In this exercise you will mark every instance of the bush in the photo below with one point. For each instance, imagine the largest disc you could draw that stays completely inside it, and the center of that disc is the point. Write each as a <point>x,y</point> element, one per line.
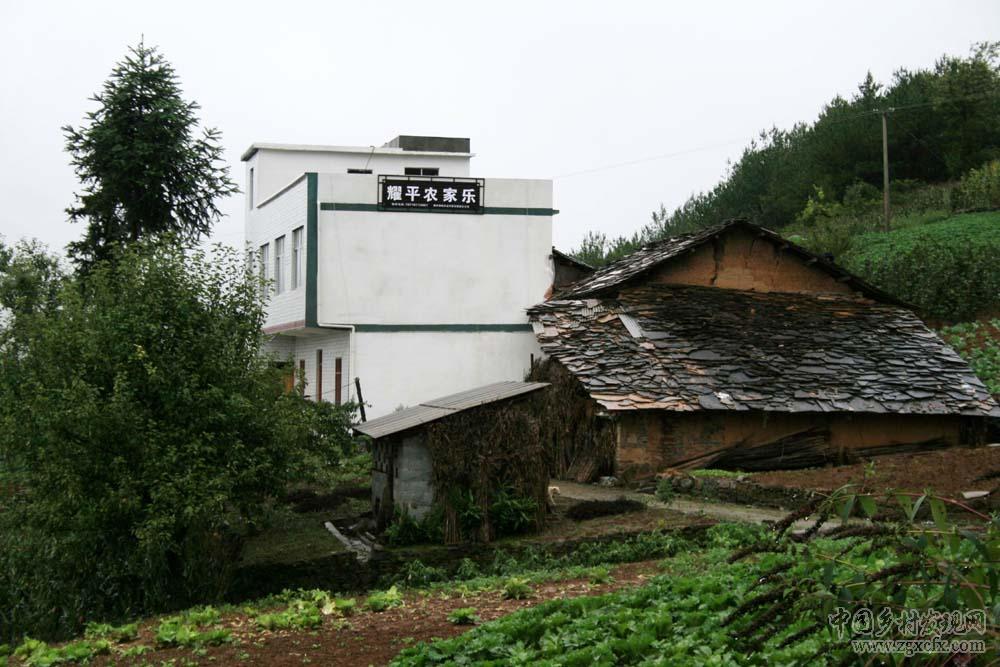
<point>415,573</point>
<point>406,530</point>
<point>463,616</point>
<point>382,600</point>
<point>947,269</point>
<point>142,429</point>
<point>979,189</point>
<point>665,490</point>
<point>510,514</point>
<point>517,588</point>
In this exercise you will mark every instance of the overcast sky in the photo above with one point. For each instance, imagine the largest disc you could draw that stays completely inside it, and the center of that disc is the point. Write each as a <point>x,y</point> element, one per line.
<point>544,90</point>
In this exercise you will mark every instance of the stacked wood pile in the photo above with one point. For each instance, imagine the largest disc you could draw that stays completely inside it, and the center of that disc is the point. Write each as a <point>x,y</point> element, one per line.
<point>579,442</point>
<point>806,449</point>
<point>485,451</point>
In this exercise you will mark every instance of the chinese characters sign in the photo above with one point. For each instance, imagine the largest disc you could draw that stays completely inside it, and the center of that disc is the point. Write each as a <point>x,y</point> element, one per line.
<point>437,195</point>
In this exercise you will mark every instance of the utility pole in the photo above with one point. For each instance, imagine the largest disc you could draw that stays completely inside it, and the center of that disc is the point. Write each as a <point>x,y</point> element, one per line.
<point>885,167</point>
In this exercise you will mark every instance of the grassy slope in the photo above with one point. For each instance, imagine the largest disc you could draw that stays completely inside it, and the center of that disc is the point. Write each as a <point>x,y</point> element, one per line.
<point>948,268</point>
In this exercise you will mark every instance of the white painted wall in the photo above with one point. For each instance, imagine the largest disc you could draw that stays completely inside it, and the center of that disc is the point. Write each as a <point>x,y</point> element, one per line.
<point>406,368</point>
<point>389,267</point>
<point>398,268</point>
<point>334,343</point>
<point>279,217</point>
<point>275,168</point>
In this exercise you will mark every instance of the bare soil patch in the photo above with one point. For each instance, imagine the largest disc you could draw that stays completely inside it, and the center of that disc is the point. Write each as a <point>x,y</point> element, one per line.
<point>949,472</point>
<point>369,638</point>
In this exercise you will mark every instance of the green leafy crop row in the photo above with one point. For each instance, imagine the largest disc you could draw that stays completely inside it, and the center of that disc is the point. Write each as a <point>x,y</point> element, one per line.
<point>947,269</point>
<point>769,602</point>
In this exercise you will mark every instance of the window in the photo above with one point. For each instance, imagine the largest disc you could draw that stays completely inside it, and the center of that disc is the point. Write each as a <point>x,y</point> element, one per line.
<point>279,257</point>
<point>250,189</point>
<point>297,273</point>
<point>319,375</point>
<point>359,171</point>
<point>262,263</point>
<point>420,171</point>
<point>337,375</point>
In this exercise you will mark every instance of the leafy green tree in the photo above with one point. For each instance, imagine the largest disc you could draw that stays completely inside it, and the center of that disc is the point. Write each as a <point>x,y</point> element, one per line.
<point>142,432</point>
<point>144,167</point>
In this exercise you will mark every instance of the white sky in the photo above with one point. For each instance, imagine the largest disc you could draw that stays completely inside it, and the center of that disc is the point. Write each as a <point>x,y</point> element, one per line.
<point>542,88</point>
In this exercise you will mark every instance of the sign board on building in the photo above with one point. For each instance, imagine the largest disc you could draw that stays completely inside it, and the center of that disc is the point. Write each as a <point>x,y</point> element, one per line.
<point>430,194</point>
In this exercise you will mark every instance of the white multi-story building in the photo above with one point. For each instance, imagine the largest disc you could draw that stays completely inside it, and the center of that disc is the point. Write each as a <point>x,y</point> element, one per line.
<point>395,266</point>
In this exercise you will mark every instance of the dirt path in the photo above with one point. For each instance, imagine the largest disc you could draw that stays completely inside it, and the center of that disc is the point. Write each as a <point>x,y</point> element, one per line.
<point>691,506</point>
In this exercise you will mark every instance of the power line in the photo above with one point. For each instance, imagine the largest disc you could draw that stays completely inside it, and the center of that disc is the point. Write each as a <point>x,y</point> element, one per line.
<point>843,119</point>
<point>650,158</point>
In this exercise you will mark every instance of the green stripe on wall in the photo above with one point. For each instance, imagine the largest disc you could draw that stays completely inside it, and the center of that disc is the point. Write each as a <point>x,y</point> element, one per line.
<point>389,328</point>
<point>312,246</point>
<point>489,210</point>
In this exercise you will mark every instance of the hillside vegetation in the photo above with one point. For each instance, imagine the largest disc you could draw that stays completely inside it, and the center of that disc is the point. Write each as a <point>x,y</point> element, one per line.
<point>948,269</point>
<point>944,123</point>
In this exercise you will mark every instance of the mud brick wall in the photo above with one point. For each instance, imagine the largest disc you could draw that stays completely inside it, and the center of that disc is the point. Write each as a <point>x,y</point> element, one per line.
<point>740,260</point>
<point>652,440</point>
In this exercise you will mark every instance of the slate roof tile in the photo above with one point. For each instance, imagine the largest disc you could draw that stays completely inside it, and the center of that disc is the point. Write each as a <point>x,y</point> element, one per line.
<point>798,352</point>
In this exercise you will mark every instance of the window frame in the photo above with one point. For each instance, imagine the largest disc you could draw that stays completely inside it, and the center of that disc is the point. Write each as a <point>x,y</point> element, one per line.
<point>279,261</point>
<point>297,257</point>
<point>263,261</point>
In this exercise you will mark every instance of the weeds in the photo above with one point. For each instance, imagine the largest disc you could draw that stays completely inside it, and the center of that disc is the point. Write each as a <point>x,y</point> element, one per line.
<point>382,600</point>
<point>36,653</point>
<point>517,588</point>
<point>463,616</point>
<point>186,629</point>
<point>118,634</point>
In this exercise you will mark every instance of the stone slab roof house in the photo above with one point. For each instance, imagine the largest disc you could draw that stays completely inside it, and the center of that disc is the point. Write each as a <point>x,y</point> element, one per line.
<point>734,346</point>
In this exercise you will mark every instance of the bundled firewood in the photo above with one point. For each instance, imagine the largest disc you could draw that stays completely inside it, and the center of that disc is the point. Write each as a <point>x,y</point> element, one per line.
<point>806,449</point>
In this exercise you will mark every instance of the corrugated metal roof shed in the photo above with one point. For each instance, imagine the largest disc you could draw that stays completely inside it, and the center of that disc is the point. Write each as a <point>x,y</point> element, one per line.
<point>437,408</point>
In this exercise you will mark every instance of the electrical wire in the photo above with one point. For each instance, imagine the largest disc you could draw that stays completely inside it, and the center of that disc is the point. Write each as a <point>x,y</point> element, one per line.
<point>843,119</point>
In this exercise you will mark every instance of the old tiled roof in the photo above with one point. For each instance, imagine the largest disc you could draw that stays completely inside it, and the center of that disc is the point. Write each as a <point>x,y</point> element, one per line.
<point>703,348</point>
<point>608,278</point>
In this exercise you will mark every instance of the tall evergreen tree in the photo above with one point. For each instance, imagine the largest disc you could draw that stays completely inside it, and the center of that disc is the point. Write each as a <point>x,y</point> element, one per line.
<point>144,167</point>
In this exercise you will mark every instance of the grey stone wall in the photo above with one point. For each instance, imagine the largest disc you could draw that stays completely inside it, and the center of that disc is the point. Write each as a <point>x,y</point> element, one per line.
<point>412,486</point>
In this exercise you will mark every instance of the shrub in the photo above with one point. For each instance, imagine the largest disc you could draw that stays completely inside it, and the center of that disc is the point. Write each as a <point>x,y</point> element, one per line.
<point>979,189</point>
<point>406,530</point>
<point>665,490</point>
<point>511,514</point>
<point>382,600</point>
<point>143,429</point>
<point>463,616</point>
<point>467,569</point>
<point>590,509</point>
<point>947,269</point>
<point>415,573</point>
<point>600,575</point>
<point>516,588</point>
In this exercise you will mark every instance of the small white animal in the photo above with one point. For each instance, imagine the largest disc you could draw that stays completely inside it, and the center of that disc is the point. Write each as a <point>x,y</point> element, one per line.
<point>551,501</point>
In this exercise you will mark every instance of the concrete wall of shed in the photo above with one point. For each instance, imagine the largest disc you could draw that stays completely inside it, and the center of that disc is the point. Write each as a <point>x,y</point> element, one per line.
<point>741,260</point>
<point>412,489</point>
<point>652,440</point>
